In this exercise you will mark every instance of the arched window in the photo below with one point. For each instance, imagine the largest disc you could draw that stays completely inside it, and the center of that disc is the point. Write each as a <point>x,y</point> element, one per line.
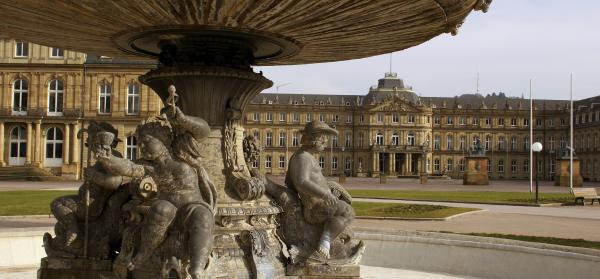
<point>54,147</point>
<point>20,91</point>
<point>133,98</point>
<point>55,97</point>
<point>131,148</point>
<point>379,139</point>
<point>105,95</point>
<point>18,146</point>
<point>395,139</point>
<point>488,141</point>
<point>411,139</point>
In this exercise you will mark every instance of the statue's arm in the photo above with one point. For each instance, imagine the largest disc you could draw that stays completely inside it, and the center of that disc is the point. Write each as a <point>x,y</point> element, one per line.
<point>302,179</point>
<point>121,167</point>
<point>196,126</point>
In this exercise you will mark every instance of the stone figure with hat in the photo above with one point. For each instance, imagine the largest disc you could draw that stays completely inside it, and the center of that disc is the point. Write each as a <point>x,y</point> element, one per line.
<point>317,213</point>
<point>98,204</point>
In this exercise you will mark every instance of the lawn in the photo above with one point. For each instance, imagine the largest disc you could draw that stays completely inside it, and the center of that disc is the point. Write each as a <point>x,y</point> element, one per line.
<point>28,202</point>
<point>548,240</point>
<point>399,210</point>
<point>523,198</point>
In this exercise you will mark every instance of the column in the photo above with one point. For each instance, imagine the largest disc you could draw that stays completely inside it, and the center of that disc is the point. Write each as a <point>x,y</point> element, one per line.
<point>409,163</point>
<point>66,146</point>
<point>75,144</point>
<point>375,161</point>
<point>2,163</point>
<point>29,143</point>
<point>393,163</point>
<point>405,165</point>
<point>390,164</point>
<point>38,157</point>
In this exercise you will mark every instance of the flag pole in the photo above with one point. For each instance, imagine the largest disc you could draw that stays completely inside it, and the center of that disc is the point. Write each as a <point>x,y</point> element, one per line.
<point>571,141</point>
<point>530,139</point>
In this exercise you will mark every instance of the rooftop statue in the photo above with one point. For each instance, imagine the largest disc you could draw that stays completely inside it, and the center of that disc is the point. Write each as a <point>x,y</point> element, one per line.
<point>317,213</point>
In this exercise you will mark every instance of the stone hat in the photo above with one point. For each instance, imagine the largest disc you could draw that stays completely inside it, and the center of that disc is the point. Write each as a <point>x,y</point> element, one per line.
<point>318,127</point>
<point>105,138</point>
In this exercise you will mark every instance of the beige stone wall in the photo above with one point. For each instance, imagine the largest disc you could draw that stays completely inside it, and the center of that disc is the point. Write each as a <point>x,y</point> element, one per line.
<point>37,54</point>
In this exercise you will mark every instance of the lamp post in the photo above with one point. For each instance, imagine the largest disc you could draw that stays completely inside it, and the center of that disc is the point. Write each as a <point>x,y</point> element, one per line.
<point>536,148</point>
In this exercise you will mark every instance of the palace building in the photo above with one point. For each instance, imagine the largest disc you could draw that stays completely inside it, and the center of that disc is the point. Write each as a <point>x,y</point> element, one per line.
<point>48,95</point>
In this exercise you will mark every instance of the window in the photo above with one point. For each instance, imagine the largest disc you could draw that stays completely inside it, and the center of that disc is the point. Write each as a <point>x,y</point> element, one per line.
<point>131,148</point>
<point>526,166</point>
<point>411,118</point>
<point>256,135</point>
<point>489,168</point>
<point>347,164</point>
<point>322,162</point>
<point>551,143</point>
<point>462,143</point>
<point>334,163</point>
<point>296,117</point>
<point>395,139</point>
<point>361,139</point>
<point>436,120</point>
<point>514,168</point>
<point>395,118</point>
<point>361,118</point>
<point>513,143</point>
<point>450,120</point>
<point>462,120</point>
<point>282,139</point>
<point>501,166</point>
<point>54,144</point>
<point>501,145</point>
<point>308,117</point>
<point>513,122</point>
<point>380,118</point>
<point>282,162</point>
<point>335,118</point>
<point>410,139</point>
<point>475,140</point>
<point>488,141</point>
<point>488,121</point>
<point>436,142</point>
<point>268,161</point>
<point>21,49</point>
<point>526,144</point>
<point>18,146</point>
<point>322,117</point>
<point>550,122</point>
<point>348,140</point>
<point>269,117</point>
<point>256,116</point>
<point>563,142</point>
<point>55,97</point>
<point>449,143</point>
<point>20,92</point>
<point>56,52</point>
<point>379,139</point>
<point>349,118</point>
<point>449,165</point>
<point>475,121</point>
<point>461,165</point>
<point>538,122</point>
<point>500,121</point>
<point>133,98</point>
<point>255,163</point>
<point>436,165</point>
<point>269,139</point>
<point>104,102</point>
<point>525,122</point>
<point>334,141</point>
<point>295,140</point>
<point>282,117</point>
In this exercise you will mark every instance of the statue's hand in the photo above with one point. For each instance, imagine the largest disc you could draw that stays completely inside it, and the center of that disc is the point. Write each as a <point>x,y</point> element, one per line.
<point>330,200</point>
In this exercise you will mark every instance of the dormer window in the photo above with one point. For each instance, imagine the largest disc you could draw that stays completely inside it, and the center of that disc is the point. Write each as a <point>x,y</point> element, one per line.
<point>56,53</point>
<point>21,49</point>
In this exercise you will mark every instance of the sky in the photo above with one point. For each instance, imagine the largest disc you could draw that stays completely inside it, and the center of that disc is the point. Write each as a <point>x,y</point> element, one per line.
<point>515,41</point>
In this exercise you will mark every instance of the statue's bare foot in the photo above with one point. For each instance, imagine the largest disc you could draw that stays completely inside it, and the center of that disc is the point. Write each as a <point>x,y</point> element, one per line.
<point>323,251</point>
<point>130,266</point>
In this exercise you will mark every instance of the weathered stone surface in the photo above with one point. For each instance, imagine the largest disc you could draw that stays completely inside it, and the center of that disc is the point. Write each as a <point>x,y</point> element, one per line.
<point>476,173</point>
<point>562,177</point>
<point>56,268</point>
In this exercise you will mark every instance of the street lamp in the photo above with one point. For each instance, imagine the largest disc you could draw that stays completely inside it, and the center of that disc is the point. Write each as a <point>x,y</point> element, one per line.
<point>536,148</point>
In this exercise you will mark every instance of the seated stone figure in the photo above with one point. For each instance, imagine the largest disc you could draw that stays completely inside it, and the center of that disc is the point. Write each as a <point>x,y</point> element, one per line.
<point>107,193</point>
<point>317,212</point>
<point>185,197</point>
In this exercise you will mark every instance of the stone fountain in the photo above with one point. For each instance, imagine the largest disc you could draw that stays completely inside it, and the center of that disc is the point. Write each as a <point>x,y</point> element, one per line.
<point>206,49</point>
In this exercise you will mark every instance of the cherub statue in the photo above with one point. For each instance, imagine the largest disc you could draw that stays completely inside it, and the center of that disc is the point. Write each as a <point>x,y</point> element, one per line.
<point>103,195</point>
<point>185,198</point>
<point>317,212</point>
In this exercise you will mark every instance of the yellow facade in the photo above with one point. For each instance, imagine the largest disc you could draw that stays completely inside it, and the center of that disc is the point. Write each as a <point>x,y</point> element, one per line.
<point>389,130</point>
